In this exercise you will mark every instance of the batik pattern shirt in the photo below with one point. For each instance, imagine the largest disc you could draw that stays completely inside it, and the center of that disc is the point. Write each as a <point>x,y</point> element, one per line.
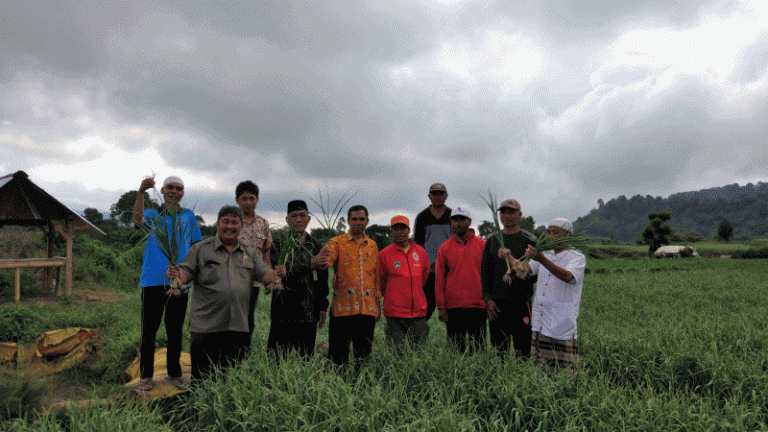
<point>255,233</point>
<point>356,283</point>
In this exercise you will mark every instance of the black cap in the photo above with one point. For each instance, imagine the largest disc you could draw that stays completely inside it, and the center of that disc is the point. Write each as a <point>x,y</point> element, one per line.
<point>296,205</point>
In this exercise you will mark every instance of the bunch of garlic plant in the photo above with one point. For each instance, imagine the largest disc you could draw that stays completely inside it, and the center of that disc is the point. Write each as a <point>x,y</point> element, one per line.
<point>290,245</point>
<point>330,213</point>
<point>545,243</point>
<point>167,229</point>
<point>497,230</point>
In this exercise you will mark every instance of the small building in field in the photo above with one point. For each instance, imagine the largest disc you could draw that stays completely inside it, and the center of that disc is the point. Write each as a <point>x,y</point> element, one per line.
<point>675,252</point>
<point>23,203</point>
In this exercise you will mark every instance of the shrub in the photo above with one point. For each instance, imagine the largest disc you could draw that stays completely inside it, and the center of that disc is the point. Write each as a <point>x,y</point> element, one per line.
<point>19,323</point>
<point>20,396</point>
<point>761,252</point>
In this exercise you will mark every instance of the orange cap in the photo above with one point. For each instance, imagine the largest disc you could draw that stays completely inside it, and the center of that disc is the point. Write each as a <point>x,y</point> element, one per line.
<point>400,219</point>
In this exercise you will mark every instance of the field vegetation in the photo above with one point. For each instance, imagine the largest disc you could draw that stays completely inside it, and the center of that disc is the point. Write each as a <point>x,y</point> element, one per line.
<point>676,344</point>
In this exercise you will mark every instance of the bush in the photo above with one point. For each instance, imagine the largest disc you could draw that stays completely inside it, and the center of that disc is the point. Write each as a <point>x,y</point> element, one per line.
<point>751,253</point>
<point>19,323</point>
<point>20,396</point>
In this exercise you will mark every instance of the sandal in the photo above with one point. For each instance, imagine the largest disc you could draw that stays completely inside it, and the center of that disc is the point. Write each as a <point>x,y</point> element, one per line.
<point>145,384</point>
<point>178,382</point>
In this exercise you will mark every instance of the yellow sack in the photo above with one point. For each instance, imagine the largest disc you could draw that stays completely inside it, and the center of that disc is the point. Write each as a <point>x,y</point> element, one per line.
<point>162,388</point>
<point>54,351</point>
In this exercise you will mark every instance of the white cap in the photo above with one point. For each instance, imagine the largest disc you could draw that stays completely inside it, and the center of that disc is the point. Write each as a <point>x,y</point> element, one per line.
<point>173,179</point>
<point>458,211</point>
<point>562,223</point>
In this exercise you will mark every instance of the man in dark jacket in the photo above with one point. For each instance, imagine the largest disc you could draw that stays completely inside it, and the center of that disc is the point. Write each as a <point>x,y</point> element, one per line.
<point>299,308</point>
<point>508,301</point>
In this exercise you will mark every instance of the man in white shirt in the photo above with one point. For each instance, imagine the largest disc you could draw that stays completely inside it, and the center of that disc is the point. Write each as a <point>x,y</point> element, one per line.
<point>558,297</point>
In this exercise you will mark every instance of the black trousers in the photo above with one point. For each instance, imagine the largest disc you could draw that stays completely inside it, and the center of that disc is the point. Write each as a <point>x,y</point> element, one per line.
<point>463,323</point>
<point>355,330</point>
<point>285,336</point>
<point>221,349</point>
<point>155,301</point>
<point>252,309</point>
<point>508,328</point>
<point>429,292</point>
<point>412,331</point>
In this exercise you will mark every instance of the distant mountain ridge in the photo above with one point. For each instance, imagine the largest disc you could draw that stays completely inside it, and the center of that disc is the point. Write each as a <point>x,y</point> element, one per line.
<point>746,207</point>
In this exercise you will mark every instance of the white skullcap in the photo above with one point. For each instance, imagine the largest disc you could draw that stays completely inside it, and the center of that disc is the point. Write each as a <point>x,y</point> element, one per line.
<point>173,179</point>
<point>459,211</point>
<point>562,223</point>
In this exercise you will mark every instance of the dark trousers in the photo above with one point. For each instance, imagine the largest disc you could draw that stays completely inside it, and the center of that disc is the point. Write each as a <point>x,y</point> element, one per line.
<point>285,336</point>
<point>221,349</point>
<point>508,328</point>
<point>252,309</point>
<point>463,323</point>
<point>429,292</point>
<point>155,301</point>
<point>400,331</point>
<point>355,330</point>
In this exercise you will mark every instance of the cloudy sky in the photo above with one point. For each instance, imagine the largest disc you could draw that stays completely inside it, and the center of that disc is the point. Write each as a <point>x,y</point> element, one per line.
<point>554,103</point>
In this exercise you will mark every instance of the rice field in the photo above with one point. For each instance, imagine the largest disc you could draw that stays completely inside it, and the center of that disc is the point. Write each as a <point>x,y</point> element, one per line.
<point>666,345</point>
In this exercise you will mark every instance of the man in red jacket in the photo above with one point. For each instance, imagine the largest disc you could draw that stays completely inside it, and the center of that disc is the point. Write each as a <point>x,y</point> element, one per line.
<point>404,269</point>
<point>458,287</point>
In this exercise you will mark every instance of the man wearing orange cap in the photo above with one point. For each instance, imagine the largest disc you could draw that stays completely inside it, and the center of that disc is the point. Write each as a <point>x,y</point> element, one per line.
<point>404,269</point>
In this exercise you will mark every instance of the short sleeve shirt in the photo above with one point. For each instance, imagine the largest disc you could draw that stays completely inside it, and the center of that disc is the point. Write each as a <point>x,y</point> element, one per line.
<point>255,233</point>
<point>223,281</point>
<point>154,262</point>
<point>356,284</point>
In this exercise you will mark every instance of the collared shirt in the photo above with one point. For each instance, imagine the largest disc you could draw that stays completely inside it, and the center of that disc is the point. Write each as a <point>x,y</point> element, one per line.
<point>356,284</point>
<point>556,305</point>
<point>255,233</point>
<point>223,281</point>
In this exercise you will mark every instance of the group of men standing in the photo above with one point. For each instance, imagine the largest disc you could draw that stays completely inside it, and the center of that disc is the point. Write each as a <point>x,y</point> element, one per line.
<point>445,267</point>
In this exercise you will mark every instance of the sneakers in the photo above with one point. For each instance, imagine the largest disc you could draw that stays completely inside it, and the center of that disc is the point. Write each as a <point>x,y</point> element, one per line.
<point>178,382</point>
<point>145,384</point>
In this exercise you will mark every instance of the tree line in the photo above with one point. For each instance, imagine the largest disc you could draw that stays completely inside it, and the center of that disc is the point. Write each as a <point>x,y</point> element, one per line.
<point>694,215</point>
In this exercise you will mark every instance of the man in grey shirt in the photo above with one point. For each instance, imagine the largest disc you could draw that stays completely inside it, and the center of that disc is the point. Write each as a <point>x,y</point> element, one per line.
<point>223,271</point>
<point>431,228</point>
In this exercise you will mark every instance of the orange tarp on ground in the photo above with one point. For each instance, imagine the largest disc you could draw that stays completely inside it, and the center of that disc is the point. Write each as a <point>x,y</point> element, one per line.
<point>54,351</point>
<point>162,388</point>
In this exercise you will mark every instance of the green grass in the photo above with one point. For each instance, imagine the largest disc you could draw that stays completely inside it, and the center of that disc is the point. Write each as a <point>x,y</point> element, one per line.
<point>666,345</point>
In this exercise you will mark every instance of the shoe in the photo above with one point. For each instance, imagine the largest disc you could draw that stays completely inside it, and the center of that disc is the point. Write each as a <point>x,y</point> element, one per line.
<point>178,382</point>
<point>145,384</point>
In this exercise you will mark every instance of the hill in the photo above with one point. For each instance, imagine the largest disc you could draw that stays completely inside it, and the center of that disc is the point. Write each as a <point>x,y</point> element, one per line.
<point>746,207</point>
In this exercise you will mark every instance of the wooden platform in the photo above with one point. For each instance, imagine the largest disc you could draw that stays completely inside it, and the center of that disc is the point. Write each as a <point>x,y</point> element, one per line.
<point>17,264</point>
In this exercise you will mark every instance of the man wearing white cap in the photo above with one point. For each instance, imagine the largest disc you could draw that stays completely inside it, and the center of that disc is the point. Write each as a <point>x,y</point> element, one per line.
<point>558,297</point>
<point>155,298</point>
<point>458,290</point>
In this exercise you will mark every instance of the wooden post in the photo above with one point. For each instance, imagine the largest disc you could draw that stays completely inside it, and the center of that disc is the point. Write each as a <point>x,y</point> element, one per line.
<point>17,284</point>
<point>68,266</point>
<point>49,238</point>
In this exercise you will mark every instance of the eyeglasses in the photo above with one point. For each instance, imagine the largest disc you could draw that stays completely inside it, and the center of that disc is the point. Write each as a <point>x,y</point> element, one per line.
<point>437,192</point>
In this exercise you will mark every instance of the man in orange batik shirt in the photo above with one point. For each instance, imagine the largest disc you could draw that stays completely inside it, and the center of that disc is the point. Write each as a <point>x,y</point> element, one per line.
<point>356,307</point>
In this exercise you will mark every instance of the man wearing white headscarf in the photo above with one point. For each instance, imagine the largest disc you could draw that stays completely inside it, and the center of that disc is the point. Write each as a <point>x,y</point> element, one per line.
<point>558,297</point>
